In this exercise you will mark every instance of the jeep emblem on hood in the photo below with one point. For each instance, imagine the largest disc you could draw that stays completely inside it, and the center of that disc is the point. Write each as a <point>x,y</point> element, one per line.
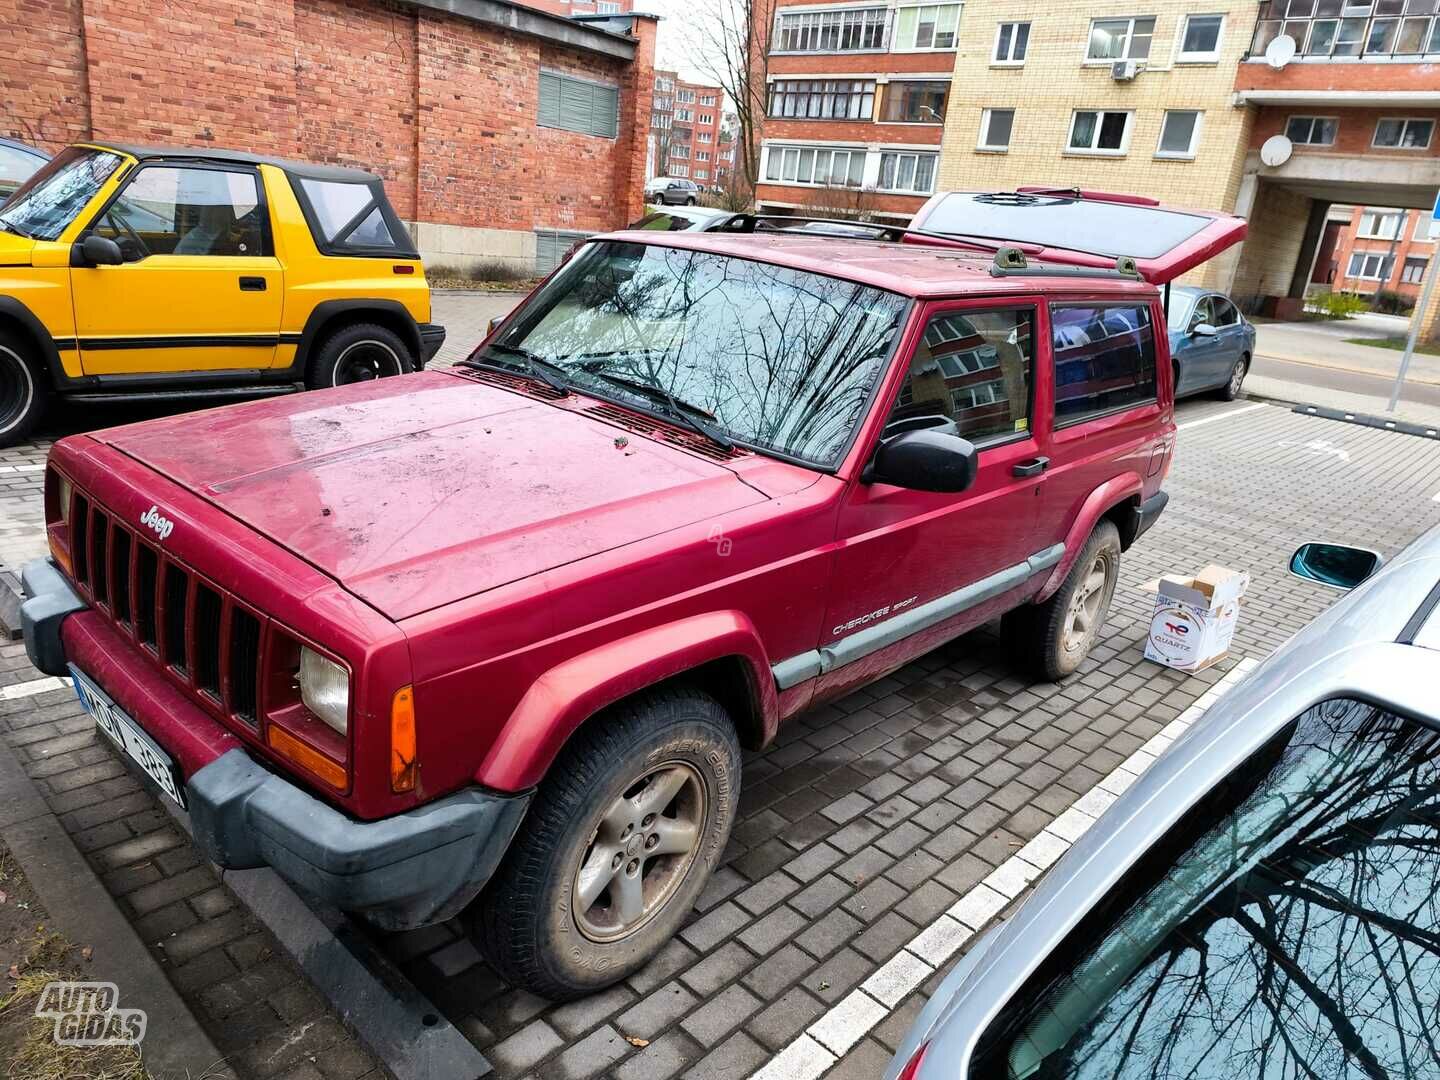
<point>153,519</point>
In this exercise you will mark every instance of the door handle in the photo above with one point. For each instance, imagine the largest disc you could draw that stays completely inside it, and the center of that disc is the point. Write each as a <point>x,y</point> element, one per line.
<point>252,284</point>
<point>1033,467</point>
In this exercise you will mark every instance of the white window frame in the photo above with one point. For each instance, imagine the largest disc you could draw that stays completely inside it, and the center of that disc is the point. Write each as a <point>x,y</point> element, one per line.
<point>685,97</point>
<point>1405,268</point>
<point>679,171</point>
<point>702,174</point>
<point>703,136</point>
<point>774,149</point>
<point>707,99</point>
<point>865,20</point>
<point>1365,257</point>
<point>1129,40</point>
<point>1129,115</point>
<point>702,155</point>
<point>1212,57</point>
<point>1374,232</point>
<point>685,116</point>
<point>1406,121</point>
<point>917,155</point>
<point>1313,119</point>
<point>705,118</point>
<point>994,148</point>
<point>679,150</point>
<point>607,7</point>
<point>894,35</point>
<point>1189,153</point>
<point>996,60</point>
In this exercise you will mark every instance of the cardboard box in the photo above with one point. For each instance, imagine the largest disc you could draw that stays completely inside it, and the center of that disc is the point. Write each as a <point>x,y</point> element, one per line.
<point>1194,617</point>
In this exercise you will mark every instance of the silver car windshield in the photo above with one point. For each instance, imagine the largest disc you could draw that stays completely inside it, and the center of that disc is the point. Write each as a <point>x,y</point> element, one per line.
<point>1288,927</point>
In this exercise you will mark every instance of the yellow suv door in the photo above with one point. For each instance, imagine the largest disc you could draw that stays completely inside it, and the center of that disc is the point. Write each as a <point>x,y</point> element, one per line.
<point>200,288</point>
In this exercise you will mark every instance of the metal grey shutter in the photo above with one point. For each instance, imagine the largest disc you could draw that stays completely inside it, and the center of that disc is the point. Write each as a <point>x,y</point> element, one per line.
<point>578,105</point>
<point>548,249</point>
<point>605,112</point>
<point>575,105</point>
<point>549,99</point>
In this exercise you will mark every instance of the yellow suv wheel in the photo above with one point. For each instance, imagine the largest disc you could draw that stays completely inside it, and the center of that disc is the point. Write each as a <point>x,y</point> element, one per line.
<point>22,392</point>
<point>358,353</point>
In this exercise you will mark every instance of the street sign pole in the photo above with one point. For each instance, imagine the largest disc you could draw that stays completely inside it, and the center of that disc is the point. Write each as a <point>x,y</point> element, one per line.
<point>1431,273</point>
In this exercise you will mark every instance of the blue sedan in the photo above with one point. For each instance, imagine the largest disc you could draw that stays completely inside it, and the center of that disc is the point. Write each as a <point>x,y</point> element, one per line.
<point>1211,343</point>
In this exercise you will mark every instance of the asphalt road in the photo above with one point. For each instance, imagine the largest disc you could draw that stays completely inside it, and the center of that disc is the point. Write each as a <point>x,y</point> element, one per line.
<point>1352,382</point>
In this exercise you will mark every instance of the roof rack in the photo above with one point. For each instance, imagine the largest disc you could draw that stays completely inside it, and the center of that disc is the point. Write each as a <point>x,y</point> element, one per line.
<point>1009,261</point>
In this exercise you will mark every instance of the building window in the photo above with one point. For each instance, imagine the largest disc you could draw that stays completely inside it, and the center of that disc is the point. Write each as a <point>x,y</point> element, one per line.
<point>686,97</point>
<point>1011,41</point>
<point>1093,132</point>
<point>703,136</point>
<point>679,150</point>
<point>995,128</point>
<point>707,99</point>
<point>828,100</point>
<point>679,170</point>
<point>1367,28</point>
<point>572,104</point>
<point>1376,225</point>
<point>702,155</point>
<point>702,174</point>
<point>910,173</point>
<point>1312,130</point>
<point>1120,39</point>
<point>1200,37</point>
<point>607,7</point>
<point>1403,134</point>
<point>1104,360</point>
<point>706,118</point>
<point>915,102</point>
<point>855,30</point>
<point>685,116</point>
<point>929,27</point>
<point>1179,134</point>
<point>1413,272</point>
<point>815,165</point>
<point>662,83</point>
<point>1368,266</point>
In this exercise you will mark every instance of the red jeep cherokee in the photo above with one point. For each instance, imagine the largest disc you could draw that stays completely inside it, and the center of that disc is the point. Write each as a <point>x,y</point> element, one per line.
<point>499,633</point>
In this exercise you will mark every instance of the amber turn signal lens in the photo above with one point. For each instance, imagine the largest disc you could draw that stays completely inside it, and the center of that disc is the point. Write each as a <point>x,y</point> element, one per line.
<point>402,740</point>
<point>287,745</point>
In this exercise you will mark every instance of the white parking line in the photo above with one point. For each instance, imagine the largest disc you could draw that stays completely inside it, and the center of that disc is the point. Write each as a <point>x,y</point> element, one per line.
<point>826,1041</point>
<point>1221,416</point>
<point>31,688</point>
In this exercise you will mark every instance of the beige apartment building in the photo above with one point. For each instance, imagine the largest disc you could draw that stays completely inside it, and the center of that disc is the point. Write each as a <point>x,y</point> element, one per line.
<point>1105,95</point>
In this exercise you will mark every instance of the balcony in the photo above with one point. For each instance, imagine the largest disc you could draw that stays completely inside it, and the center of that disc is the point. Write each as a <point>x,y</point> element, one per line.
<point>1345,31</point>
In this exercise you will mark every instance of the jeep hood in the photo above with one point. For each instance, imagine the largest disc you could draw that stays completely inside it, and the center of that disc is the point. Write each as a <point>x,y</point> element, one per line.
<point>15,250</point>
<point>417,491</point>
<point>1086,228</point>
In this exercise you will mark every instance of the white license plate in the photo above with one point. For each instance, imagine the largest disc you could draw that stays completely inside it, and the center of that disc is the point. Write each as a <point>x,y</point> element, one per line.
<point>128,737</point>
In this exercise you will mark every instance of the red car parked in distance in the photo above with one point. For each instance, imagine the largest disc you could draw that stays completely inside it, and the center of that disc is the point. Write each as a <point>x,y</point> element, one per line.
<point>492,638</point>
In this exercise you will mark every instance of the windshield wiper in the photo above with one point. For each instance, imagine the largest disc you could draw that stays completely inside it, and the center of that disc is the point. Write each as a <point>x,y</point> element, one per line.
<point>533,364</point>
<point>688,414</point>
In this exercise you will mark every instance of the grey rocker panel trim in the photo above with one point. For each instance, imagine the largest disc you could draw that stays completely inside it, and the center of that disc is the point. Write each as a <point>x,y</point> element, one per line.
<point>796,669</point>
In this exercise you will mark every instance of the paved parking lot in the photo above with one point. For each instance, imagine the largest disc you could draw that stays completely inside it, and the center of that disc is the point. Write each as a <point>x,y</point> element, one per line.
<point>864,823</point>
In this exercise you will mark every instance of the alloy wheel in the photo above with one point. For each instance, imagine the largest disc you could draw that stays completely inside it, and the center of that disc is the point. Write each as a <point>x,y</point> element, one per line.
<point>1237,376</point>
<point>364,361</point>
<point>1082,618</point>
<point>640,851</point>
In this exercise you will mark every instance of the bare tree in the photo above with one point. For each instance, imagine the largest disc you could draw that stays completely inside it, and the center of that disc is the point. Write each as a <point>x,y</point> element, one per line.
<point>728,40</point>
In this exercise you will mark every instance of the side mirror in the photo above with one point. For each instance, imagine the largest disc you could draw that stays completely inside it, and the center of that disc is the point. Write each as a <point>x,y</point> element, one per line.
<point>100,251</point>
<point>1334,565</point>
<point>1203,329</point>
<point>494,325</point>
<point>924,460</point>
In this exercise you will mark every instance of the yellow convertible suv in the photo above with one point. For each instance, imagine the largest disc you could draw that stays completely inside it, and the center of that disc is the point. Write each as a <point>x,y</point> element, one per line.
<point>132,272</point>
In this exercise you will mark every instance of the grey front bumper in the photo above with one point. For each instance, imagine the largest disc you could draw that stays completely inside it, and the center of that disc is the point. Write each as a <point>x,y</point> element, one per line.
<point>48,599</point>
<point>401,872</point>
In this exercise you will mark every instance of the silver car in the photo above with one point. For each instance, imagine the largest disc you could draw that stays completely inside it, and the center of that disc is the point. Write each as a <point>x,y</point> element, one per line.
<point>1264,900</point>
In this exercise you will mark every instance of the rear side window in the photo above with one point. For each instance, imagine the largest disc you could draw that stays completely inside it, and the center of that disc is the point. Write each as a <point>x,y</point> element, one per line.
<point>1287,926</point>
<point>1104,359</point>
<point>352,218</point>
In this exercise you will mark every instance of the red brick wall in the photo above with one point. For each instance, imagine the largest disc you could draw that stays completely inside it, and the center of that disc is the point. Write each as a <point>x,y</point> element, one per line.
<point>443,108</point>
<point>1335,76</point>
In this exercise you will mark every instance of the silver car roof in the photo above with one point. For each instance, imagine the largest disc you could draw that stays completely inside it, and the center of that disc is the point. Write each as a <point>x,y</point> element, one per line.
<point>1353,650</point>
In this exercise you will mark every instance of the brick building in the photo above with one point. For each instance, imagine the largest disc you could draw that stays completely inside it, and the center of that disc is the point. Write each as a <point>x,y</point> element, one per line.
<point>1369,249</point>
<point>500,129</point>
<point>855,101</point>
<point>685,124</point>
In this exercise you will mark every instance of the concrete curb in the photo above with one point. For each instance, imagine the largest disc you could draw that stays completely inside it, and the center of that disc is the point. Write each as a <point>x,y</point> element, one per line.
<point>9,605</point>
<point>176,1047</point>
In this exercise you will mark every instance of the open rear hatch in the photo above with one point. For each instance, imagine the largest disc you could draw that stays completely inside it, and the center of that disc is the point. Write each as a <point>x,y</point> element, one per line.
<point>1085,228</point>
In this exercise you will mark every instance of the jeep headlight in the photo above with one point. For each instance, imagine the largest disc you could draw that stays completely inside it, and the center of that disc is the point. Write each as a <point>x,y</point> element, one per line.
<point>325,689</point>
<point>62,493</point>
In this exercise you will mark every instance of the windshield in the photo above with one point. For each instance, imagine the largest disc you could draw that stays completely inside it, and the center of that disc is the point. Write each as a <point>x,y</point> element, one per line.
<point>1179,314</point>
<point>776,359</point>
<point>49,200</point>
<point>1289,926</point>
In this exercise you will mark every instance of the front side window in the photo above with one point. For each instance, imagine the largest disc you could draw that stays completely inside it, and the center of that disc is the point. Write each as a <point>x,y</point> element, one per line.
<point>973,369</point>
<point>930,27</point>
<point>910,173</point>
<point>1223,312</point>
<point>1179,134</point>
<point>45,204</point>
<point>856,30</point>
<point>1312,130</point>
<point>1012,39</point>
<point>1120,39</point>
<point>1104,359</point>
<point>777,359</point>
<point>823,99</point>
<point>165,210</point>
<point>915,102</point>
<point>815,165</point>
<point>1100,132</point>
<point>1287,926</point>
<point>996,126</point>
<point>1200,37</point>
<point>1401,134</point>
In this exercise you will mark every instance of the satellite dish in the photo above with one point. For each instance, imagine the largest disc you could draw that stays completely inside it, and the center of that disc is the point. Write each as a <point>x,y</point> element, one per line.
<point>1280,51</point>
<point>1277,150</point>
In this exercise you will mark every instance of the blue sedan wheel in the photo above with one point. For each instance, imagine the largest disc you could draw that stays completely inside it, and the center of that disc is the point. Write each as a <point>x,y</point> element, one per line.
<point>1231,390</point>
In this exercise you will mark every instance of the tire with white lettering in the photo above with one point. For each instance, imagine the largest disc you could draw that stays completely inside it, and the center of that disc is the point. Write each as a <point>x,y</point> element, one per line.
<point>358,353</point>
<point>622,835</point>
<point>23,393</point>
<point>1053,638</point>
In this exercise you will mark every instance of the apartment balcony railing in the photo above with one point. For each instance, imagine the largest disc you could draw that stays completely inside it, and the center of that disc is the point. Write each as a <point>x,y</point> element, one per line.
<point>1344,30</point>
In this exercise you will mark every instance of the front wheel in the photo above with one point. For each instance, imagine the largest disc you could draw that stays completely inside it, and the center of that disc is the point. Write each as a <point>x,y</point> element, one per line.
<point>1231,390</point>
<point>358,353</point>
<point>23,394</point>
<point>622,835</point>
<point>1053,638</point>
